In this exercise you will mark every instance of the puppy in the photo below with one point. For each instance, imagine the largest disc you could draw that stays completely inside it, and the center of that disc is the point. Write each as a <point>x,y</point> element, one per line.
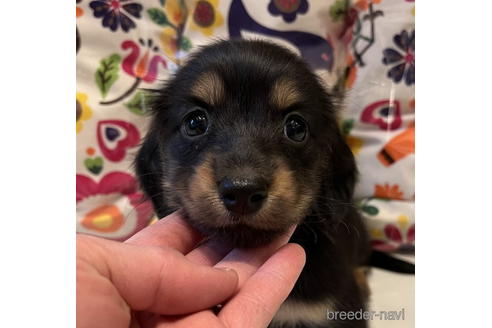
<point>244,138</point>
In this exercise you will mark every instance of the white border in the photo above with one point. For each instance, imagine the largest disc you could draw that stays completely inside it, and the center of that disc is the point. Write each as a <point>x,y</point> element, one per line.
<point>37,164</point>
<point>453,147</point>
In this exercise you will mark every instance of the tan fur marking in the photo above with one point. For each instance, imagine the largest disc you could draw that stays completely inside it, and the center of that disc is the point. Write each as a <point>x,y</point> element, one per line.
<point>284,184</point>
<point>284,93</point>
<point>209,87</point>
<point>203,189</point>
<point>360,275</point>
<point>203,180</point>
<point>284,199</point>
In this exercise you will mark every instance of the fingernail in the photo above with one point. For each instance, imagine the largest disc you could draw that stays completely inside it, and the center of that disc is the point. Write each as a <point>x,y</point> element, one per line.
<point>226,269</point>
<point>229,271</point>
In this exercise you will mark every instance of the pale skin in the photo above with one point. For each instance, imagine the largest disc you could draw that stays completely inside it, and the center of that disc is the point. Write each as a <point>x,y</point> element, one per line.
<point>160,278</point>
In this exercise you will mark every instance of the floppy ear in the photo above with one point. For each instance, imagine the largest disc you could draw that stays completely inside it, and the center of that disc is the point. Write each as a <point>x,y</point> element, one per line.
<point>343,169</point>
<point>148,167</point>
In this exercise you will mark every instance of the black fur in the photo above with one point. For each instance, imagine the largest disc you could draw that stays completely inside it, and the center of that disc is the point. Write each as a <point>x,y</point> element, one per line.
<point>246,136</point>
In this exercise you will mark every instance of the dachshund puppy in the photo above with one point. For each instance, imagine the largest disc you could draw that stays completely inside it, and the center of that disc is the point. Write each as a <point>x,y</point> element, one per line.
<point>244,138</point>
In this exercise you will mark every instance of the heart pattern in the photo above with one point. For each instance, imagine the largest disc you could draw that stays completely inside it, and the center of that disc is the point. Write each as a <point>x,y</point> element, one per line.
<point>115,137</point>
<point>384,113</point>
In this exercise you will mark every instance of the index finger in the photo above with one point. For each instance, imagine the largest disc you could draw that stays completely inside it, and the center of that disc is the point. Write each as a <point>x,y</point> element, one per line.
<point>261,296</point>
<point>171,231</point>
<point>257,302</point>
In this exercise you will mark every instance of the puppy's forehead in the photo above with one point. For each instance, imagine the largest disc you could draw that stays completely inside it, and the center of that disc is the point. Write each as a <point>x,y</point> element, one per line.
<point>280,92</point>
<point>209,87</point>
<point>284,93</point>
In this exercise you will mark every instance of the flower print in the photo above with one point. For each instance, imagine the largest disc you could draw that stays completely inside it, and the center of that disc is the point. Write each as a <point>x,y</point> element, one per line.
<point>84,112</point>
<point>112,207</point>
<point>364,4</point>
<point>142,65</point>
<point>175,12</point>
<point>172,17</point>
<point>79,11</point>
<point>339,10</point>
<point>403,59</point>
<point>115,137</point>
<point>172,48</point>
<point>388,192</point>
<point>393,238</point>
<point>398,147</point>
<point>169,40</point>
<point>355,144</point>
<point>351,72</point>
<point>384,113</point>
<point>115,13</point>
<point>288,8</point>
<point>206,17</point>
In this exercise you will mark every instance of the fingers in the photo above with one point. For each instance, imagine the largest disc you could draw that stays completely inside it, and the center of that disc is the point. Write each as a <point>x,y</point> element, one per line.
<point>261,296</point>
<point>161,280</point>
<point>169,283</point>
<point>257,301</point>
<point>172,231</point>
<point>209,253</point>
<point>98,298</point>
<point>196,320</point>
<point>246,261</point>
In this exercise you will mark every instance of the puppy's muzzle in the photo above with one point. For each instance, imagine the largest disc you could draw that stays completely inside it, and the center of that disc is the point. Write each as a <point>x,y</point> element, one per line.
<point>243,196</point>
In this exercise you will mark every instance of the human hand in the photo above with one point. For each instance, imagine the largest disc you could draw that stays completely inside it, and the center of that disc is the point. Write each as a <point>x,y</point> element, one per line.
<point>160,278</point>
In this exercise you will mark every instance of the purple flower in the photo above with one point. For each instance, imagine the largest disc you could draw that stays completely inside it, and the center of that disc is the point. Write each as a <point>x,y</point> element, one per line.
<point>288,8</point>
<point>404,60</point>
<point>114,13</point>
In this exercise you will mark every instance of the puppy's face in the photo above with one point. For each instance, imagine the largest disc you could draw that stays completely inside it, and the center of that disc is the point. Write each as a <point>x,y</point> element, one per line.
<point>241,139</point>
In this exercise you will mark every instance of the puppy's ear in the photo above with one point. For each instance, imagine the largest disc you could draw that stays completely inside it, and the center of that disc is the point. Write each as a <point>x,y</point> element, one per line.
<point>148,165</point>
<point>343,169</point>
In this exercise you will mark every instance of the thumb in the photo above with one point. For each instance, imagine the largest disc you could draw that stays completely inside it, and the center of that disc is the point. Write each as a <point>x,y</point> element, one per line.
<point>162,280</point>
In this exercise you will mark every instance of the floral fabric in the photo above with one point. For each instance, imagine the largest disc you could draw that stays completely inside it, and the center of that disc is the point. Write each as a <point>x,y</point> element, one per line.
<point>379,119</point>
<point>124,46</point>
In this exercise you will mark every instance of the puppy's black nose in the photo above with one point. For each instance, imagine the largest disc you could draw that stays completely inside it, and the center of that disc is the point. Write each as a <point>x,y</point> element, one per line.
<point>243,196</point>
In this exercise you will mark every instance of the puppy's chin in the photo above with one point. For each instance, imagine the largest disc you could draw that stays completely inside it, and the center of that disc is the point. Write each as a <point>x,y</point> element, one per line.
<point>243,236</point>
<point>238,234</point>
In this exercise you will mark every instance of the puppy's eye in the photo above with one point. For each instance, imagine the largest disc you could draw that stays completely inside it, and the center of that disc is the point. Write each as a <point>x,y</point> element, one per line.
<point>195,123</point>
<point>295,128</point>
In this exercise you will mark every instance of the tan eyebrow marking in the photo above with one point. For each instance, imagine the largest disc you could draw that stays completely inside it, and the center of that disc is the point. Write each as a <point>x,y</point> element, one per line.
<point>284,93</point>
<point>209,87</point>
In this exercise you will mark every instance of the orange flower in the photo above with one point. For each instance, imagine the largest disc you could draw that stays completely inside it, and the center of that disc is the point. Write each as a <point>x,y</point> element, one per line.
<point>107,218</point>
<point>352,73</point>
<point>364,4</point>
<point>387,191</point>
<point>80,12</point>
